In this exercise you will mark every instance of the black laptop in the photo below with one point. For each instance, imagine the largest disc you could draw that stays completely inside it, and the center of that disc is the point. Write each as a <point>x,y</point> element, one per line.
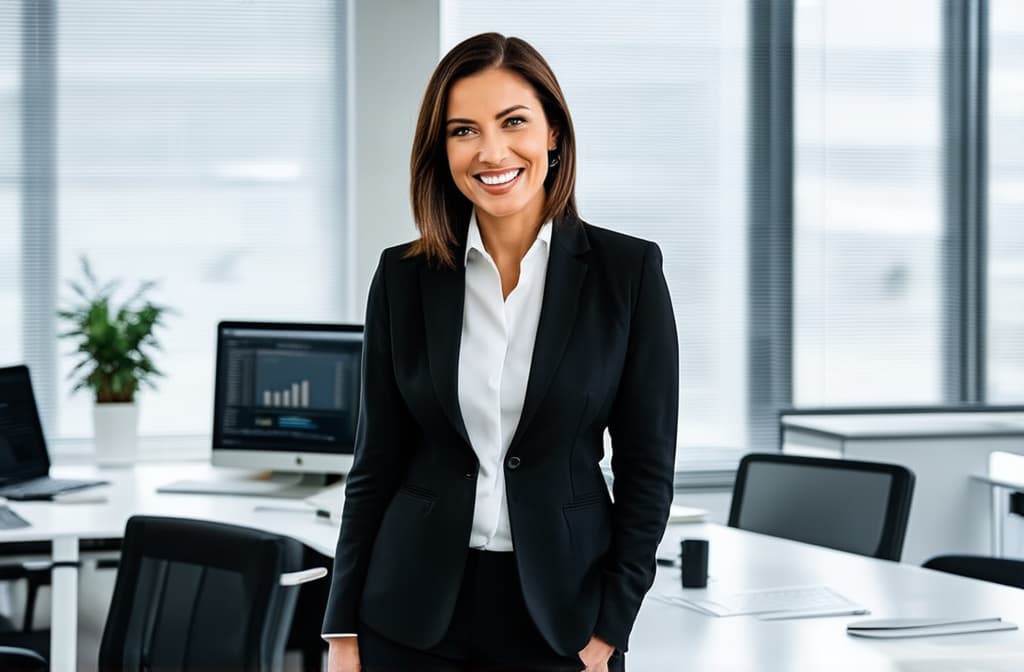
<point>24,460</point>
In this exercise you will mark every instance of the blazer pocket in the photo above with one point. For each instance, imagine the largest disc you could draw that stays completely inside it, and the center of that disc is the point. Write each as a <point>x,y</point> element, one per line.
<point>589,523</point>
<point>585,501</point>
<point>403,526</point>
<point>421,497</point>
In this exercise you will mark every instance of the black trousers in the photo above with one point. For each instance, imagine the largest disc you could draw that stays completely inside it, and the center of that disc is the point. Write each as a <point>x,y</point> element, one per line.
<point>490,631</point>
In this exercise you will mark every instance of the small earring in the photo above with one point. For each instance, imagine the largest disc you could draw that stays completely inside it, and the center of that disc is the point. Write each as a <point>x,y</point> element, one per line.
<point>553,159</point>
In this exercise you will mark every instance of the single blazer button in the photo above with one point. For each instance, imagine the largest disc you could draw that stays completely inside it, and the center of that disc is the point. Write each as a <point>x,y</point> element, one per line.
<point>469,475</point>
<point>513,462</point>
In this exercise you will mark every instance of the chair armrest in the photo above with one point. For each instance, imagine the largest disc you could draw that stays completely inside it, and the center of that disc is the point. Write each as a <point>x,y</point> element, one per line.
<point>302,576</point>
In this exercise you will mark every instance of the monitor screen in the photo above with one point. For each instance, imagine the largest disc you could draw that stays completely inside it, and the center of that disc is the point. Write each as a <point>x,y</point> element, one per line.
<point>286,396</point>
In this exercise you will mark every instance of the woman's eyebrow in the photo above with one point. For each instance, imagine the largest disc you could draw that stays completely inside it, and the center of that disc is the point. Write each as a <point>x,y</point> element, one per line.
<point>510,110</point>
<point>499,115</point>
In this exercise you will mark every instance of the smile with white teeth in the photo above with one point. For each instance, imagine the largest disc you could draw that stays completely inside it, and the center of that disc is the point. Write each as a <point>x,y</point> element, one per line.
<point>500,179</point>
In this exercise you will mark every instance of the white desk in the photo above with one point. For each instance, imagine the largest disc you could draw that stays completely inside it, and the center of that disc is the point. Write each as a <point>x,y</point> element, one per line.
<point>665,638</point>
<point>950,510</point>
<point>674,638</point>
<point>133,491</point>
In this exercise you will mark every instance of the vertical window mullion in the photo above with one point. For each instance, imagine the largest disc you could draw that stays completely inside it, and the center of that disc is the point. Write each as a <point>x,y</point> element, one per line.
<point>770,221</point>
<point>964,109</point>
<point>39,201</point>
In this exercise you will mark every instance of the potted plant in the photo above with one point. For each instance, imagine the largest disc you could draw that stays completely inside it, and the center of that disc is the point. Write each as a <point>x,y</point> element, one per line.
<point>114,343</point>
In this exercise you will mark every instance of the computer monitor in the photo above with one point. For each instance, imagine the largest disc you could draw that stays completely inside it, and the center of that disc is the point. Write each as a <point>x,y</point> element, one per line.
<point>286,396</point>
<point>286,399</point>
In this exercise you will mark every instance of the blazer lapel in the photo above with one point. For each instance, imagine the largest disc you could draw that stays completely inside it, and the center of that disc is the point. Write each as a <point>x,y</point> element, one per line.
<point>567,268</point>
<point>444,294</point>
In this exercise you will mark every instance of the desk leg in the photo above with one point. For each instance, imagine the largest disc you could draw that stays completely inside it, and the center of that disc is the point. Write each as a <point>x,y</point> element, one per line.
<point>64,605</point>
<point>1000,511</point>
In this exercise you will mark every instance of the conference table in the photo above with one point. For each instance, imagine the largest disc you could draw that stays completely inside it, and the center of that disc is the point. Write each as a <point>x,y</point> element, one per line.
<point>666,636</point>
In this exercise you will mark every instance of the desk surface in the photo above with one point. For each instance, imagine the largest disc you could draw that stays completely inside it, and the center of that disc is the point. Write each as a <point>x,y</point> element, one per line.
<point>674,638</point>
<point>132,491</point>
<point>666,637</point>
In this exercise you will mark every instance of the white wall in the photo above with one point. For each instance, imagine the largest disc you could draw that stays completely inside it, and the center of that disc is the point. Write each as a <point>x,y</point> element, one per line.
<point>395,48</point>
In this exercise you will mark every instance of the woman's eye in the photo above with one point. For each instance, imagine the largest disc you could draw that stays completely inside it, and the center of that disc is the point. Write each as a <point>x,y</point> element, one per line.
<point>515,121</point>
<point>460,131</point>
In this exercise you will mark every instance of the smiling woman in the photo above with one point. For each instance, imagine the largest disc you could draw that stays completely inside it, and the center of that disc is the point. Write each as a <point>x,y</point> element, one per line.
<point>498,144</point>
<point>473,109</point>
<point>478,532</point>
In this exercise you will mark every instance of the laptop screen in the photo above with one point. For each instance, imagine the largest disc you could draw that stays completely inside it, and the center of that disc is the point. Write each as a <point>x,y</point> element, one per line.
<point>22,447</point>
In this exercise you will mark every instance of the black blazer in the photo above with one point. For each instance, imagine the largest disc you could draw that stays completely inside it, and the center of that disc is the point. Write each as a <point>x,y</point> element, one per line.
<point>606,355</point>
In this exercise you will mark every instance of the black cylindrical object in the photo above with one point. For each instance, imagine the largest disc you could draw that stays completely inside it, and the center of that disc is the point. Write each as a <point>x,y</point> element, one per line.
<point>695,563</point>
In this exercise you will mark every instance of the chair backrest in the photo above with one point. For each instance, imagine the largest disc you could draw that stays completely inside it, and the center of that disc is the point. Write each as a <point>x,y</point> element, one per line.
<point>16,659</point>
<point>1006,571</point>
<point>194,595</point>
<point>860,507</point>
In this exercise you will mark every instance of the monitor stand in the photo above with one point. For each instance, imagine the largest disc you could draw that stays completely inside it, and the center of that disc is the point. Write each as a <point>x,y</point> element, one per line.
<point>260,484</point>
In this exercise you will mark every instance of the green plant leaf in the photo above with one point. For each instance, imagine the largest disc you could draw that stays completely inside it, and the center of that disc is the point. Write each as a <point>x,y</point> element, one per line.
<point>112,340</point>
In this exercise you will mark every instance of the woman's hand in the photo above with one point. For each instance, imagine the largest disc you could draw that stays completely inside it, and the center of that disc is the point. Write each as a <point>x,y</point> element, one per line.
<point>343,655</point>
<point>595,655</point>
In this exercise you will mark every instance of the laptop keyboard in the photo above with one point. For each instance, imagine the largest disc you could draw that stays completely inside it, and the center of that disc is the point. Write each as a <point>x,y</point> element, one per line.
<point>44,488</point>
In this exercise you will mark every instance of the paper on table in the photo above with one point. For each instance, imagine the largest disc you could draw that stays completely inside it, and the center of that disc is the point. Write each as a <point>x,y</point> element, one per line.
<point>908,623</point>
<point>893,628</point>
<point>799,601</point>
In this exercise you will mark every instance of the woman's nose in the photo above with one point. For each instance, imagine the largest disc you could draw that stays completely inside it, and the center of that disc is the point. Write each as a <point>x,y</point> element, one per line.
<point>492,150</point>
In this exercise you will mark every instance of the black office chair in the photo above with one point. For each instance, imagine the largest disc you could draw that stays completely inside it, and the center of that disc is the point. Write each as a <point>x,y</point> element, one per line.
<point>860,507</point>
<point>14,659</point>
<point>36,575</point>
<point>204,596</point>
<point>1006,571</point>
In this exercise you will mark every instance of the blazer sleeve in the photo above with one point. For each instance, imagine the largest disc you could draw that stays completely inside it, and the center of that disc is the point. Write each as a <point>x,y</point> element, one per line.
<point>381,451</point>
<point>642,425</point>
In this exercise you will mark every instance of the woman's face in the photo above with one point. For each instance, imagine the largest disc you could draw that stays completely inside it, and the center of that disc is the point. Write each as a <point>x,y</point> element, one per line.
<point>497,139</point>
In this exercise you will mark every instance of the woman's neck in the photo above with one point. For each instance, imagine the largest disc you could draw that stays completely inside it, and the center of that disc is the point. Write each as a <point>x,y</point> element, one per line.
<point>506,243</point>
<point>508,239</point>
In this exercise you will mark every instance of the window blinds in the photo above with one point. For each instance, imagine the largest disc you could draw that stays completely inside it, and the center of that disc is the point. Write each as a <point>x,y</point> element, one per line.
<point>196,146</point>
<point>1005,374</point>
<point>868,227</point>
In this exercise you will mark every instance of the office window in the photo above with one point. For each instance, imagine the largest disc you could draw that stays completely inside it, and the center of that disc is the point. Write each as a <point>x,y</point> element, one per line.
<point>1005,310</point>
<point>196,146</point>
<point>868,224</point>
<point>657,90</point>
<point>10,179</point>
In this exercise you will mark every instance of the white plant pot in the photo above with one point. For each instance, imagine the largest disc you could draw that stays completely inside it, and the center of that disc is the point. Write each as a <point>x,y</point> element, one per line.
<point>115,433</point>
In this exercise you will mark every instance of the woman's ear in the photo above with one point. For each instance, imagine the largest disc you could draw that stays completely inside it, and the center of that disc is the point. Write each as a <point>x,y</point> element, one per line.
<point>552,139</point>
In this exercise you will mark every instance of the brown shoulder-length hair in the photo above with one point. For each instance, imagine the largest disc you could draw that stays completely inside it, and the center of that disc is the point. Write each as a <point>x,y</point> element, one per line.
<point>441,211</point>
